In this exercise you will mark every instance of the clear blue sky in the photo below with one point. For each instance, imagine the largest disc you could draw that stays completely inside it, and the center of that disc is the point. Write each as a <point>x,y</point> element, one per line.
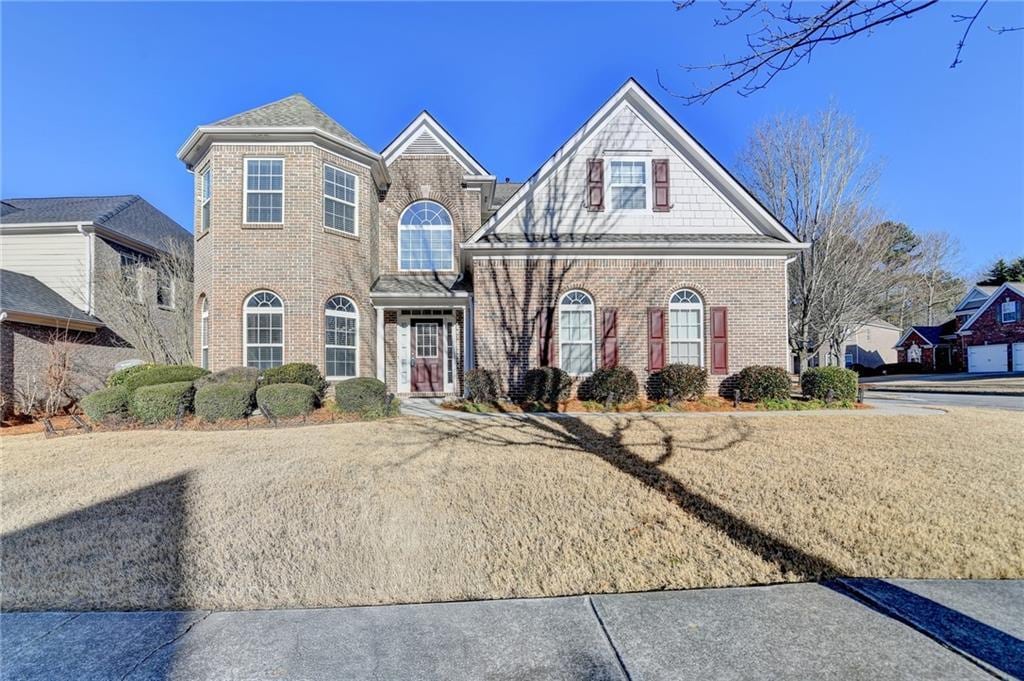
<point>96,99</point>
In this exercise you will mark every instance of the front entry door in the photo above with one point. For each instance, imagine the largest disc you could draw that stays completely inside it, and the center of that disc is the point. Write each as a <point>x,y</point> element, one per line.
<point>426,357</point>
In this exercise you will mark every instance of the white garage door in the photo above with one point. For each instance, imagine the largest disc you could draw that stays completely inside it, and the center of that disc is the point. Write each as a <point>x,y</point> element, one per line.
<point>985,358</point>
<point>1018,356</point>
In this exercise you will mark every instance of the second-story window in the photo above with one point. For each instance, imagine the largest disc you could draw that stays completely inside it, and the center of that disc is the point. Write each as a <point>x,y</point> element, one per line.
<point>339,200</point>
<point>425,238</point>
<point>264,190</point>
<point>628,185</point>
<point>207,194</point>
<point>164,288</point>
<point>130,264</point>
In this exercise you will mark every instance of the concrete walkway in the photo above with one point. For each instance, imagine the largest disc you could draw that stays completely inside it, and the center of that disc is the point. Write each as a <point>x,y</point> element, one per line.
<point>849,629</point>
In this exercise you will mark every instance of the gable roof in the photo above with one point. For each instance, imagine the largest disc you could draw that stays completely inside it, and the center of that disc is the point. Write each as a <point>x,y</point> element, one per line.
<point>1015,286</point>
<point>930,334</point>
<point>21,293</point>
<point>425,135</point>
<point>977,295</point>
<point>633,94</point>
<point>129,216</point>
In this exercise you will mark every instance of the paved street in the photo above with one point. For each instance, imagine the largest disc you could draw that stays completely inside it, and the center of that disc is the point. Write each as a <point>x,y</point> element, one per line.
<point>921,399</point>
<point>850,629</point>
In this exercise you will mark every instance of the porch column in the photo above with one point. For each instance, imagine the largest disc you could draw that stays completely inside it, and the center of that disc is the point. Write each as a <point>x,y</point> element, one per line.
<point>380,343</point>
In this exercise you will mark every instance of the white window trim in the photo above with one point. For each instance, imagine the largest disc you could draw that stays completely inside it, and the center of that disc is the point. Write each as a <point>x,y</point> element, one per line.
<point>204,333</point>
<point>402,227</point>
<point>349,315</point>
<point>648,181</point>
<point>1012,310</point>
<point>354,204</point>
<point>593,334</point>
<point>246,191</point>
<point>205,207</point>
<point>173,291</point>
<point>699,307</point>
<point>245,327</point>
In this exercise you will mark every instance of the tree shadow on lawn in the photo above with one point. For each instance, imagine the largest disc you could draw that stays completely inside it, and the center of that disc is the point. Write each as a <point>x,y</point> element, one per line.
<point>571,434</point>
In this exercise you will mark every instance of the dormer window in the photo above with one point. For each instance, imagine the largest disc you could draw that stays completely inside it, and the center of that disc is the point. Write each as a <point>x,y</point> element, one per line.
<point>627,184</point>
<point>264,190</point>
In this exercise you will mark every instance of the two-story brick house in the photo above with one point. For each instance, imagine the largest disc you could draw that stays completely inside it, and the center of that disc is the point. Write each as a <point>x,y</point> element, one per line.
<point>631,245</point>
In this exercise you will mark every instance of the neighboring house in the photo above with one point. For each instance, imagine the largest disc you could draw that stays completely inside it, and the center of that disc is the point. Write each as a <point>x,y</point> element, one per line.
<point>870,345</point>
<point>985,334</point>
<point>56,254</point>
<point>631,246</point>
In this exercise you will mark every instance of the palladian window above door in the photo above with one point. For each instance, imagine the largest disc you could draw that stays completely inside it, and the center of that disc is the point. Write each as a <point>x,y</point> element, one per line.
<point>425,238</point>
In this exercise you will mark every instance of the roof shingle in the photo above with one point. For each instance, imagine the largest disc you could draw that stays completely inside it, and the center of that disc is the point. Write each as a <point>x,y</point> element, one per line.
<point>23,293</point>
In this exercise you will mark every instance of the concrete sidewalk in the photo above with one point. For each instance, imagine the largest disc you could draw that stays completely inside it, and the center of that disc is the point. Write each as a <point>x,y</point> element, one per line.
<point>1009,384</point>
<point>849,629</point>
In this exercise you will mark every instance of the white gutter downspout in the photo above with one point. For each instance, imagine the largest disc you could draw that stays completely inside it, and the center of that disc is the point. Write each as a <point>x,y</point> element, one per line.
<point>90,247</point>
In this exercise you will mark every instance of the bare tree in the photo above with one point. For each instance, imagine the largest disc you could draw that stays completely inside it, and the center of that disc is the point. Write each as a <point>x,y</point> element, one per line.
<point>782,35</point>
<point>939,287</point>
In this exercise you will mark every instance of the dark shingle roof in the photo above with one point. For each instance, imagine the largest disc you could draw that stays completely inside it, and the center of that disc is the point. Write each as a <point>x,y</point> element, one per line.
<point>503,191</point>
<point>293,111</point>
<point>129,215</point>
<point>616,238</point>
<point>22,293</point>
<point>419,284</point>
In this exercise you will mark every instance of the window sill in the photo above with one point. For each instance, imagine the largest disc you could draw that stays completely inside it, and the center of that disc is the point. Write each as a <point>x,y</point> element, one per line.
<point>166,308</point>
<point>262,225</point>
<point>338,232</point>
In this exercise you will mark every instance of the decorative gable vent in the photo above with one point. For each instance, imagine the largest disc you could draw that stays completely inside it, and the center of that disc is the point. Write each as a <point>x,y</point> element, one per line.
<point>426,143</point>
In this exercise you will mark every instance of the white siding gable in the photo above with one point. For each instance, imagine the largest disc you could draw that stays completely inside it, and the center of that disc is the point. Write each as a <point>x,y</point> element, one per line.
<point>61,261</point>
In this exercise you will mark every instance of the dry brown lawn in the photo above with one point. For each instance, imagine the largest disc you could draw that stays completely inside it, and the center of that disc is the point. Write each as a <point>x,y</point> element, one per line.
<point>414,510</point>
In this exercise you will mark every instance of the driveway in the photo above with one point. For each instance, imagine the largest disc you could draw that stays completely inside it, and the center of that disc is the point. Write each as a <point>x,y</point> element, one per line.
<point>981,384</point>
<point>847,629</point>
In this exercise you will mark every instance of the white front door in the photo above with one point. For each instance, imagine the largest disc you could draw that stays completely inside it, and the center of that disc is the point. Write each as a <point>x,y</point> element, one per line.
<point>986,358</point>
<point>1018,356</point>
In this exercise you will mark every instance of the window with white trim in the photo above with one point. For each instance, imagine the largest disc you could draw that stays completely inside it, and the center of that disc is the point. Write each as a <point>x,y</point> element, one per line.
<point>627,185</point>
<point>686,328</point>
<point>341,329</point>
<point>264,330</point>
<point>204,334</point>
<point>1008,312</point>
<point>425,237</point>
<point>205,205</point>
<point>131,263</point>
<point>264,190</point>
<point>164,288</point>
<point>576,333</point>
<point>340,191</point>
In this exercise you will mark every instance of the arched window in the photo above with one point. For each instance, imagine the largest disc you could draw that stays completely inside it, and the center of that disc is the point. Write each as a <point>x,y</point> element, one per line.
<point>204,333</point>
<point>341,328</point>
<point>576,333</point>
<point>686,328</point>
<point>264,330</point>
<point>425,237</point>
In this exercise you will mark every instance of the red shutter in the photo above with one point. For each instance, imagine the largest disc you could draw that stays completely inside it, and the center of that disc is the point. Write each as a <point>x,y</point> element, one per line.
<point>595,184</point>
<point>545,338</point>
<point>656,339</point>
<point>610,338</point>
<point>659,169</point>
<point>719,340</point>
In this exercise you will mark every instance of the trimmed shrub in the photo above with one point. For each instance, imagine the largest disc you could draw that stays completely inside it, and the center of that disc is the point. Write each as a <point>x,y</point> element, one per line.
<point>158,403</point>
<point>297,372</point>
<point>246,375</point>
<point>481,385</point>
<point>285,400</point>
<point>616,385</point>
<point>106,403</point>
<point>757,383</point>
<point>816,383</point>
<point>681,382</point>
<point>154,374</point>
<point>360,395</point>
<point>547,384</point>
<point>219,401</point>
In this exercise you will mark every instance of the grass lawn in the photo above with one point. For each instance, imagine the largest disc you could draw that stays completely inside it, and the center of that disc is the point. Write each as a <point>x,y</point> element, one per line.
<point>424,510</point>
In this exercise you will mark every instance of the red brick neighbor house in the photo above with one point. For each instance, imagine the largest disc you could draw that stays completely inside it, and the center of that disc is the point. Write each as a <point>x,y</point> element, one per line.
<point>986,334</point>
<point>631,245</point>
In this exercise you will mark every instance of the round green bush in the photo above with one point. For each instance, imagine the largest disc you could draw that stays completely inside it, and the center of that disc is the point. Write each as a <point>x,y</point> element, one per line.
<point>225,401</point>
<point>106,403</point>
<point>547,384</point>
<point>816,383</point>
<point>286,400</point>
<point>158,403</point>
<point>297,372</point>
<point>757,383</point>
<point>247,375</point>
<point>154,374</point>
<point>361,395</point>
<point>481,385</point>
<point>616,385</point>
<point>680,382</point>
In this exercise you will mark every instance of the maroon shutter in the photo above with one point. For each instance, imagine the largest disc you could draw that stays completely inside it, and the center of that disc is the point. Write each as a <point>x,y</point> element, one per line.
<point>595,184</point>
<point>656,339</point>
<point>659,169</point>
<point>610,338</point>
<point>719,340</point>
<point>545,338</point>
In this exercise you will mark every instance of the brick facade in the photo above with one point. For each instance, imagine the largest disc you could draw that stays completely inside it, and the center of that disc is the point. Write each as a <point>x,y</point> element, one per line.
<point>988,329</point>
